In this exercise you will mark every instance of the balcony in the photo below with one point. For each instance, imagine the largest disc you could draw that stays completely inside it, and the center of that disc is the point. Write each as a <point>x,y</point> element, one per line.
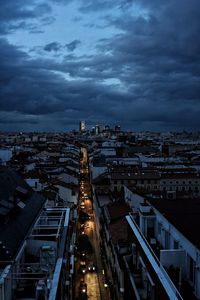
<point>144,255</point>
<point>136,279</point>
<point>37,274</point>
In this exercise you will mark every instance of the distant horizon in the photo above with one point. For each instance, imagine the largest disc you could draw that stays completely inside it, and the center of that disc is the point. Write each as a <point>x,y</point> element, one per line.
<point>89,130</point>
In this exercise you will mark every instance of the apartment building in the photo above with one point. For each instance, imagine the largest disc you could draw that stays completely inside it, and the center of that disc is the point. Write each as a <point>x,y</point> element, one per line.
<point>35,241</point>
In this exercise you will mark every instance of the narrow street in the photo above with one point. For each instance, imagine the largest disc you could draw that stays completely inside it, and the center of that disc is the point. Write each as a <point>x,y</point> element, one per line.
<point>90,281</point>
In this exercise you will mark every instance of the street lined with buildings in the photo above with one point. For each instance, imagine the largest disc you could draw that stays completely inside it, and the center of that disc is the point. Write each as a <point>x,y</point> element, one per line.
<point>93,273</point>
<point>100,214</point>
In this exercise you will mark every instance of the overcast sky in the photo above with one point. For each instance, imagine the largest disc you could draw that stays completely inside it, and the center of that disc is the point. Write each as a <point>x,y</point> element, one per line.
<point>129,62</point>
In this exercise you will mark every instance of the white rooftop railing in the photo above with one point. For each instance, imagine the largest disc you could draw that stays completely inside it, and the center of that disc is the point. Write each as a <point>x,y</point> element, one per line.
<point>164,278</point>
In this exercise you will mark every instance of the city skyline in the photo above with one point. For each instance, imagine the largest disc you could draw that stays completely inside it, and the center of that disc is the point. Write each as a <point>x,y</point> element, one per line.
<point>133,63</point>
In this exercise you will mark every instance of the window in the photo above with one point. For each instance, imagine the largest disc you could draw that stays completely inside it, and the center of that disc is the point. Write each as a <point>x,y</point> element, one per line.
<point>73,193</point>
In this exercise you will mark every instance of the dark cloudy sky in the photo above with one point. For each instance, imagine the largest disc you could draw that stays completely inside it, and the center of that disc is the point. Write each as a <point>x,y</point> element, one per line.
<point>129,62</point>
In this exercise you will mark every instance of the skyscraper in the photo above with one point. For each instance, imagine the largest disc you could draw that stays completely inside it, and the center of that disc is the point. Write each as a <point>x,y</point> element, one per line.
<point>82,126</point>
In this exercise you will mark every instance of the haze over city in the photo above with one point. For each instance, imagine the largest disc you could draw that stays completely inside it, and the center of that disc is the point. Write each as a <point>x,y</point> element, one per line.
<point>136,63</point>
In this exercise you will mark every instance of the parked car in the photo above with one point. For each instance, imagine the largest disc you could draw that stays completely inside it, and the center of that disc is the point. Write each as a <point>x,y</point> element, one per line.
<point>83,255</point>
<point>82,267</point>
<point>83,290</point>
<point>91,267</point>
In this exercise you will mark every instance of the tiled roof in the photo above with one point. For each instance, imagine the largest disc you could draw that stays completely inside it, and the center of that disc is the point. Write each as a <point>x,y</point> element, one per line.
<point>117,210</point>
<point>71,185</point>
<point>118,231</point>
<point>20,212</point>
<point>10,185</point>
<point>101,179</point>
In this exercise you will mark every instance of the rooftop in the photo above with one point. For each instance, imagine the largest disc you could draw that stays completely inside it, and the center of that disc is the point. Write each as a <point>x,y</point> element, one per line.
<point>119,231</point>
<point>117,210</point>
<point>183,214</point>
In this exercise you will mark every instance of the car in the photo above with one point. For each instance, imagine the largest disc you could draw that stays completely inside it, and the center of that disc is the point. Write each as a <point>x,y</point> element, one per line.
<point>83,290</point>
<point>91,267</point>
<point>82,228</point>
<point>82,267</point>
<point>83,255</point>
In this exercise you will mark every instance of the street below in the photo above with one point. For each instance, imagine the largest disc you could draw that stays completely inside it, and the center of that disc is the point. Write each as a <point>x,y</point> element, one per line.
<point>90,275</point>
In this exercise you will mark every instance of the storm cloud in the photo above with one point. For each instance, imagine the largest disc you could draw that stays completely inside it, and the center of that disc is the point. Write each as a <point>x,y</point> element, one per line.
<point>73,45</point>
<point>145,75</point>
<point>54,46</point>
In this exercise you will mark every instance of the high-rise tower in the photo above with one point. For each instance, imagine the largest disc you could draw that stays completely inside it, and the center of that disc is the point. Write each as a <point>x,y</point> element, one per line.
<point>82,126</point>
